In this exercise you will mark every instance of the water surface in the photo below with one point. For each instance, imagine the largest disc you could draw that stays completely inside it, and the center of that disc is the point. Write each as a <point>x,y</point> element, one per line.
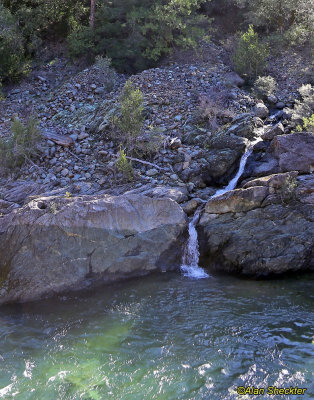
<point>162,337</point>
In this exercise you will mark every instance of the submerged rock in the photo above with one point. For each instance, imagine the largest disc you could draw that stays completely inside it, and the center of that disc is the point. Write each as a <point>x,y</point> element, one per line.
<point>53,244</point>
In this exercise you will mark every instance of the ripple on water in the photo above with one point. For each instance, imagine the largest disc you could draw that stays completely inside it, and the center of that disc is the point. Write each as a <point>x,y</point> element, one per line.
<point>161,337</point>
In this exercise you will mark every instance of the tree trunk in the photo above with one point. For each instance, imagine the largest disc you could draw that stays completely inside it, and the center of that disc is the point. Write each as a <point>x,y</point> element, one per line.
<point>92,13</point>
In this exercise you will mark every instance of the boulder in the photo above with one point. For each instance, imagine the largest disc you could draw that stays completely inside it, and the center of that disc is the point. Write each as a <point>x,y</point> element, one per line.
<point>237,200</point>
<point>295,152</point>
<point>273,131</point>
<point>224,152</point>
<point>270,236</point>
<point>54,244</point>
<point>245,125</point>
<point>261,110</point>
<point>292,152</point>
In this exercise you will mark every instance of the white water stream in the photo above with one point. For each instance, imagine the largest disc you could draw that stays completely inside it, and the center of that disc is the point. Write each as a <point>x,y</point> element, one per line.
<point>190,267</point>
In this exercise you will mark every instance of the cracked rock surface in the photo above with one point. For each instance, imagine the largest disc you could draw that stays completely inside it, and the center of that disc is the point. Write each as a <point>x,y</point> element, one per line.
<point>55,244</point>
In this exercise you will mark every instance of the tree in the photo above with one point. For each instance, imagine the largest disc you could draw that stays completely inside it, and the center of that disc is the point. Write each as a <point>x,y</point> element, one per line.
<point>92,13</point>
<point>250,57</point>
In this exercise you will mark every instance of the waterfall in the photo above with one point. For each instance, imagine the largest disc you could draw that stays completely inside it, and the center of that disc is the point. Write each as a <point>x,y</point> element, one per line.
<point>190,260</point>
<point>191,254</point>
<point>234,181</point>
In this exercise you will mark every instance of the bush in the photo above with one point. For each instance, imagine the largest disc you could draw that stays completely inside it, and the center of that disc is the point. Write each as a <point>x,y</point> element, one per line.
<point>213,108</point>
<point>250,57</point>
<point>12,60</point>
<point>304,108</point>
<point>124,166</point>
<point>265,86</point>
<point>307,124</point>
<point>130,122</point>
<point>104,72</point>
<point>22,144</point>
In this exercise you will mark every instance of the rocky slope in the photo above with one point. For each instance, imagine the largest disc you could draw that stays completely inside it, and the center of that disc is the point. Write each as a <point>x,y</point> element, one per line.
<point>68,219</point>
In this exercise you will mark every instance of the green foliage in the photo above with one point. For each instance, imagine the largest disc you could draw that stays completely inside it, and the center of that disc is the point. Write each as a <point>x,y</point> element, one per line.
<point>124,166</point>
<point>25,24</point>
<point>105,73</point>
<point>250,57</point>
<point>137,33</point>
<point>265,86</point>
<point>304,108</point>
<point>131,120</point>
<point>12,59</point>
<point>22,144</point>
<point>307,125</point>
<point>292,19</point>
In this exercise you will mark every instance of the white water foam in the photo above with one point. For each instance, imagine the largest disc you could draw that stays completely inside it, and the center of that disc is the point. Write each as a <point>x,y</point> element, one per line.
<point>190,261</point>
<point>191,255</point>
<point>234,181</point>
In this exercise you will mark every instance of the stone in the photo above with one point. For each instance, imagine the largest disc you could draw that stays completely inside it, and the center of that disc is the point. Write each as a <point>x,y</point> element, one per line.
<point>56,243</point>
<point>244,125</point>
<point>152,172</point>
<point>273,182</point>
<point>273,131</point>
<point>238,200</point>
<point>190,207</point>
<point>175,143</point>
<point>295,152</point>
<point>274,238</point>
<point>65,172</point>
<point>272,99</point>
<point>280,105</point>
<point>261,111</point>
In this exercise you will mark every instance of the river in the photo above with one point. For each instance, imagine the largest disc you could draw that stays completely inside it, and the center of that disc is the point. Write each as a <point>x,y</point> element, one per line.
<point>161,337</point>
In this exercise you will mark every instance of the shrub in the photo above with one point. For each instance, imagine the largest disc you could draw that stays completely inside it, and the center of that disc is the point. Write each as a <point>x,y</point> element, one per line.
<point>22,144</point>
<point>264,86</point>
<point>304,108</point>
<point>81,42</point>
<point>213,108</point>
<point>131,120</point>
<point>124,166</point>
<point>105,73</point>
<point>12,59</point>
<point>250,57</point>
<point>307,124</point>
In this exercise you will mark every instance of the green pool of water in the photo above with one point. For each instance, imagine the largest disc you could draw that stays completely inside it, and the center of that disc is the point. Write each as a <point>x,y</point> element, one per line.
<point>162,337</point>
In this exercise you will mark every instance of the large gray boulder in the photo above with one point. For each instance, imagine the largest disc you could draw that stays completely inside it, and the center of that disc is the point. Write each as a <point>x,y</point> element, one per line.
<point>265,228</point>
<point>291,152</point>
<point>53,244</point>
<point>295,152</point>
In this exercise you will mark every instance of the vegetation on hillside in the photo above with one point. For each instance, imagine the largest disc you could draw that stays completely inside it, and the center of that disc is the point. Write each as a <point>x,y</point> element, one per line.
<point>136,34</point>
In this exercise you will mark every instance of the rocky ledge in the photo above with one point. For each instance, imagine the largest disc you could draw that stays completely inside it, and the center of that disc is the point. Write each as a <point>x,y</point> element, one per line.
<point>264,228</point>
<point>54,244</point>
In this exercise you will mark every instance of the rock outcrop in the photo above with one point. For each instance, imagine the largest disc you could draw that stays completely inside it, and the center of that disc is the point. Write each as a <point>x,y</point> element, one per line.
<point>54,244</point>
<point>264,228</point>
<point>291,152</point>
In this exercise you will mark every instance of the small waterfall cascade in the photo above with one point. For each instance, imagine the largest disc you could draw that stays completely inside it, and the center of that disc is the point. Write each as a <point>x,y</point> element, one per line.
<point>234,181</point>
<point>190,260</point>
<point>189,265</point>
